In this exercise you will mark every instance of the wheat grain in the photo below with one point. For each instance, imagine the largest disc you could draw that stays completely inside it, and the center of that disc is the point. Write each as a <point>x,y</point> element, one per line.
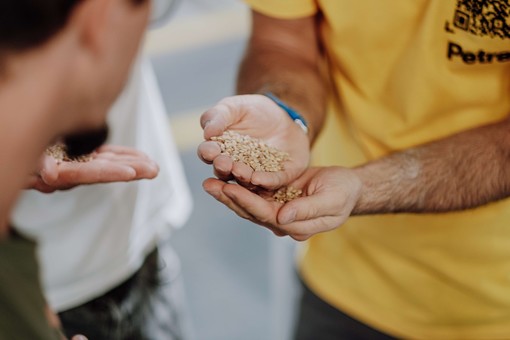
<point>287,194</point>
<point>259,156</point>
<point>251,151</point>
<point>59,152</point>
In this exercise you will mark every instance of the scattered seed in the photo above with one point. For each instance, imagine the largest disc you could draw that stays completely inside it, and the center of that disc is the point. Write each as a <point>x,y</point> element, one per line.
<point>59,152</point>
<point>287,194</point>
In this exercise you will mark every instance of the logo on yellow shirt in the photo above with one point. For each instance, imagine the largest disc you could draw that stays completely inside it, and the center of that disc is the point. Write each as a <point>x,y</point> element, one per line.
<point>457,52</point>
<point>484,18</point>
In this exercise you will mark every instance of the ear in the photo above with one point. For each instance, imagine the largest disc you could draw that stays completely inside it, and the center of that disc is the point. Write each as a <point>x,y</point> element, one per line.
<point>90,21</point>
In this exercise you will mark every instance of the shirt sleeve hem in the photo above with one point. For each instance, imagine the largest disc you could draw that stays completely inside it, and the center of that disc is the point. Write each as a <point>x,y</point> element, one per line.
<point>283,10</point>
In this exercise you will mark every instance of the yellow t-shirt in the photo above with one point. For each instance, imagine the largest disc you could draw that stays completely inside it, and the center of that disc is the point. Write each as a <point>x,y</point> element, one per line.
<point>405,73</point>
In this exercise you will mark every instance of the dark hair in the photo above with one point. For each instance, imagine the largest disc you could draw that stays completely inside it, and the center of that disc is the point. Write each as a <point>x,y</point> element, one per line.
<point>27,23</point>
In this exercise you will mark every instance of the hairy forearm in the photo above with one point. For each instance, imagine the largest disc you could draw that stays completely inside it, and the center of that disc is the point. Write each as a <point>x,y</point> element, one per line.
<point>463,171</point>
<point>270,68</point>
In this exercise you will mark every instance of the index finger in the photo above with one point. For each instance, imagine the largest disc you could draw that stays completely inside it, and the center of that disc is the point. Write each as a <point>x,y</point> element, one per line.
<point>215,121</point>
<point>122,150</point>
<point>263,211</point>
<point>207,151</point>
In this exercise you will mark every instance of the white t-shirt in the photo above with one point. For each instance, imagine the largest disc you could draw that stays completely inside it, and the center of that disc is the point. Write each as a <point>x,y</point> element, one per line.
<point>92,238</point>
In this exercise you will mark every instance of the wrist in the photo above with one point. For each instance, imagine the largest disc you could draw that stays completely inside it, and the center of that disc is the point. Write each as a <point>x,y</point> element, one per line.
<point>291,112</point>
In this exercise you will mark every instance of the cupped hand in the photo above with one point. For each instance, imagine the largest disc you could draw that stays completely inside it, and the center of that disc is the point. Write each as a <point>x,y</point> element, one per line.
<point>259,117</point>
<point>329,196</point>
<point>109,163</point>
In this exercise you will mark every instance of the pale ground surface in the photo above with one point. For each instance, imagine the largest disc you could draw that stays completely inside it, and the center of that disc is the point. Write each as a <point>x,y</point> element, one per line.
<point>238,276</point>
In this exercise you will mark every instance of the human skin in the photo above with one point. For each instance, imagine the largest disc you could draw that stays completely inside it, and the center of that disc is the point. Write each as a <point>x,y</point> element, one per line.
<point>63,86</point>
<point>38,101</point>
<point>109,163</point>
<point>461,171</point>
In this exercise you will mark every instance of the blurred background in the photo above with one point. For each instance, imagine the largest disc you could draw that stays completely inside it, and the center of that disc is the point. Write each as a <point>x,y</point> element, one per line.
<point>239,277</point>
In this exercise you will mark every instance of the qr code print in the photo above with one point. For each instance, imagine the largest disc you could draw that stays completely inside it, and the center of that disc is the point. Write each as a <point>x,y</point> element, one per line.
<point>484,17</point>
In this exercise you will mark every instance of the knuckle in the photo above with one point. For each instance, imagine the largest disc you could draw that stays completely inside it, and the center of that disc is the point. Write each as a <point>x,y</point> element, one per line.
<point>300,237</point>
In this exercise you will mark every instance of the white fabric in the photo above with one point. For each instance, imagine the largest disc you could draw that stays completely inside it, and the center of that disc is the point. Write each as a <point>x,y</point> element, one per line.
<point>161,12</point>
<point>94,237</point>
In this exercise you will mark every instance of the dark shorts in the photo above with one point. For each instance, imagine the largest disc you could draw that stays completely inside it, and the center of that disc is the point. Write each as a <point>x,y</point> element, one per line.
<point>320,321</point>
<point>148,306</point>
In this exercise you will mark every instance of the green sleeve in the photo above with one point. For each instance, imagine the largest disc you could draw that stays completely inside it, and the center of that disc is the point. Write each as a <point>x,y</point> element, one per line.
<point>22,304</point>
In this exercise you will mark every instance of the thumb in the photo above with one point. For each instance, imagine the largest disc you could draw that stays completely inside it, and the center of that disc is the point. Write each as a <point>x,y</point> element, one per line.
<point>48,169</point>
<point>304,208</point>
<point>293,211</point>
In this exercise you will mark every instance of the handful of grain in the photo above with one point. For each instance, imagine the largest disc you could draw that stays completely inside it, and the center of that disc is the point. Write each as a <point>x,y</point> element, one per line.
<point>59,152</point>
<point>287,194</point>
<point>259,156</point>
<point>251,151</point>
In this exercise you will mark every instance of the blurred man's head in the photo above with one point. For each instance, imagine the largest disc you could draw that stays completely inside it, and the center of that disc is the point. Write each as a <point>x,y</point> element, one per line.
<point>62,64</point>
<point>77,52</point>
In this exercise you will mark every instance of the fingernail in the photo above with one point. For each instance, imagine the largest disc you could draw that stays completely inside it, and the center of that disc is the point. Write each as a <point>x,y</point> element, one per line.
<point>289,217</point>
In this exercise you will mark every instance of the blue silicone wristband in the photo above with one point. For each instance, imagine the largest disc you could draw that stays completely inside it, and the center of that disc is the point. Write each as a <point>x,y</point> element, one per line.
<point>296,117</point>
